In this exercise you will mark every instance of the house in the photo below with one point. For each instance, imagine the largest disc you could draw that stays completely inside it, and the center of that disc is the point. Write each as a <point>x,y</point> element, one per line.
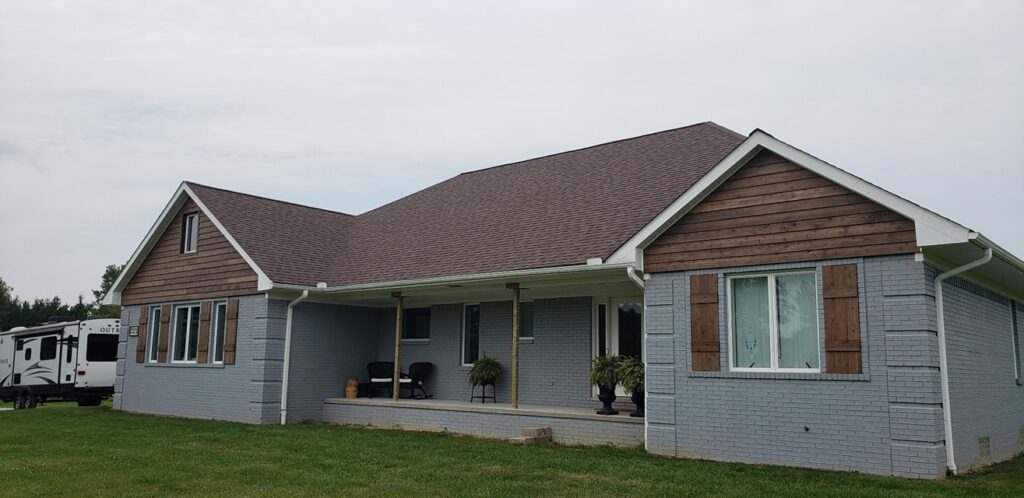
<point>788,311</point>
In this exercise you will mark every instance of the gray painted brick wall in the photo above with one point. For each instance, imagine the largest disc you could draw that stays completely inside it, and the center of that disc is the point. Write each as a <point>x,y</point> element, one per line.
<point>554,368</point>
<point>880,421</point>
<point>985,398</point>
<point>236,392</point>
<point>330,344</point>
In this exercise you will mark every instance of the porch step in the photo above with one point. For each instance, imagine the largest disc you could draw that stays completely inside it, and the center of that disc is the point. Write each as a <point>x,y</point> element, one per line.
<point>532,435</point>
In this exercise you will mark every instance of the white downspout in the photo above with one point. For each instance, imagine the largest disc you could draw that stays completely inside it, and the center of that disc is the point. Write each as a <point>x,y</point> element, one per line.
<point>288,355</point>
<point>631,272</point>
<point>947,415</point>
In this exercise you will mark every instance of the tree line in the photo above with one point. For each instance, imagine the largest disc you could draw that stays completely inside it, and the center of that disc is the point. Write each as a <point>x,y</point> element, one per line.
<point>15,312</point>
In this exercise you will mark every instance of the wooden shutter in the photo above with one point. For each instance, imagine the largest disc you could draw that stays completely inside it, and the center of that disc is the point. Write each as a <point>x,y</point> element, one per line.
<point>204,332</point>
<point>140,344</point>
<point>704,331</point>
<point>842,319</point>
<point>165,322</point>
<point>230,332</point>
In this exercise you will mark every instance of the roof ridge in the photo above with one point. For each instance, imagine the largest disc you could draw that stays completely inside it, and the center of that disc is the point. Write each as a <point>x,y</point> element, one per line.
<point>602,144</point>
<point>268,199</point>
<point>694,125</point>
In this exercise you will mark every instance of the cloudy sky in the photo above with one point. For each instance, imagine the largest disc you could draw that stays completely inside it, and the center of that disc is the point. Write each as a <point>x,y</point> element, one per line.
<point>105,107</point>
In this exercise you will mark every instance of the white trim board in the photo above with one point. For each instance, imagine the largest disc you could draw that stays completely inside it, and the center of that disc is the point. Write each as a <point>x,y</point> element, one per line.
<point>931,228</point>
<point>157,230</point>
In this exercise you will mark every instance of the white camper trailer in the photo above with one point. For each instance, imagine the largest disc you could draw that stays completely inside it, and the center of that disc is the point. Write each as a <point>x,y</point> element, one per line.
<point>66,361</point>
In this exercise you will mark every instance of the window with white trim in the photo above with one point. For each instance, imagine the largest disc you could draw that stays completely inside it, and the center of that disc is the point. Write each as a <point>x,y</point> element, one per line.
<point>153,334</point>
<point>526,320</point>
<point>1016,343</point>
<point>189,232</point>
<point>773,322</point>
<point>186,334</point>
<point>470,334</point>
<point>219,324</point>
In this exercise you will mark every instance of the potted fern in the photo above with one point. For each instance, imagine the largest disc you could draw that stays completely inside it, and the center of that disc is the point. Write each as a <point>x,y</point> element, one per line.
<point>604,373</point>
<point>631,375</point>
<point>485,371</point>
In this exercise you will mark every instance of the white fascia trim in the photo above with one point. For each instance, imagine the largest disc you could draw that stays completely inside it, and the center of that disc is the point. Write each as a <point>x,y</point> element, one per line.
<point>155,231</point>
<point>263,282</point>
<point>932,229</point>
<point>478,278</point>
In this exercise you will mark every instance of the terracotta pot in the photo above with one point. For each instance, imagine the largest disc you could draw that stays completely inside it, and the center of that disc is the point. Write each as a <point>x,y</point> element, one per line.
<point>352,392</point>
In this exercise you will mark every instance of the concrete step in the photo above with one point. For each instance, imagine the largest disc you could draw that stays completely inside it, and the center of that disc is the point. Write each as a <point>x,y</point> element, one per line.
<point>528,440</point>
<point>542,433</point>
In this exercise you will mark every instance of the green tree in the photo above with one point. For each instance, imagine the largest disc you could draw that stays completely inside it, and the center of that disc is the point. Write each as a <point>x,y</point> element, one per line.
<point>101,310</point>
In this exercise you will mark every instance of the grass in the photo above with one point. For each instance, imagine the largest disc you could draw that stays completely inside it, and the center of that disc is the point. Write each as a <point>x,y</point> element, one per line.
<point>62,449</point>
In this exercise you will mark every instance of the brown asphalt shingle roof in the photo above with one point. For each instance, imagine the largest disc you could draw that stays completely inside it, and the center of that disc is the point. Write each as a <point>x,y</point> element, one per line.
<point>556,210</point>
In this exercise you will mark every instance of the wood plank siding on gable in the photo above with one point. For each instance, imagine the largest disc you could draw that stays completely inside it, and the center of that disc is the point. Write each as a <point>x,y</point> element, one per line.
<point>773,211</point>
<point>216,269</point>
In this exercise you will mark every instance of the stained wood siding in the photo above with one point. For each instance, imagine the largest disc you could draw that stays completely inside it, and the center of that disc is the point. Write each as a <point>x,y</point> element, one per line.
<point>705,351</point>
<point>214,270</point>
<point>773,211</point>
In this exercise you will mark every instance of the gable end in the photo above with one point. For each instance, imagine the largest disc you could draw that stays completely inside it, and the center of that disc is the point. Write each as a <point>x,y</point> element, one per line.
<point>215,269</point>
<point>774,211</point>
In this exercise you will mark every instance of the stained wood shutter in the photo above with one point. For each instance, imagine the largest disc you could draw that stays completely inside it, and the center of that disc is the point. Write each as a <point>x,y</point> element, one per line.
<point>230,332</point>
<point>704,331</point>
<point>165,322</point>
<point>140,344</point>
<point>842,319</point>
<point>204,332</point>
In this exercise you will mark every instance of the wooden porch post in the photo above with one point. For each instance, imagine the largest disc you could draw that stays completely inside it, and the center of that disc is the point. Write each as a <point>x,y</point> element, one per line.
<point>515,344</point>
<point>396,374</point>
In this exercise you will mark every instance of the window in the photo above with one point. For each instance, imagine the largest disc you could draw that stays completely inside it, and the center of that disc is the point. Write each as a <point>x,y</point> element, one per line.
<point>526,320</point>
<point>416,324</point>
<point>189,232</point>
<point>101,347</point>
<point>153,334</point>
<point>220,315</point>
<point>773,322</point>
<point>470,334</point>
<point>69,348</point>
<point>1016,342</point>
<point>602,329</point>
<point>28,354</point>
<point>48,349</point>
<point>186,333</point>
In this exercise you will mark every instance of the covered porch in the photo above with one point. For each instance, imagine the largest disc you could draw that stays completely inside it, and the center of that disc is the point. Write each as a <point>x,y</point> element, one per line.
<point>568,425</point>
<point>544,331</point>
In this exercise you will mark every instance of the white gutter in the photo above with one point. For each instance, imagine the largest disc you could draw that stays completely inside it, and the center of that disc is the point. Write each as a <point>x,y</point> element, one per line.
<point>631,272</point>
<point>288,355</point>
<point>947,416</point>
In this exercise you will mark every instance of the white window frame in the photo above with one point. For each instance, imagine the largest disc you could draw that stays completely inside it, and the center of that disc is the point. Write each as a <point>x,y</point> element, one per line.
<point>153,334</point>
<point>190,224</point>
<point>773,321</point>
<point>174,336</point>
<point>533,326</point>
<point>214,333</point>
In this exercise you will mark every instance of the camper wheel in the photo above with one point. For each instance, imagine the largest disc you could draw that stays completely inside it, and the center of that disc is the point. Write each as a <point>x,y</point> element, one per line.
<point>24,400</point>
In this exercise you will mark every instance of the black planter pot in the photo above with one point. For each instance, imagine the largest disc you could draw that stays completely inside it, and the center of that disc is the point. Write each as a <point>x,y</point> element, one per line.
<point>607,396</point>
<point>638,400</point>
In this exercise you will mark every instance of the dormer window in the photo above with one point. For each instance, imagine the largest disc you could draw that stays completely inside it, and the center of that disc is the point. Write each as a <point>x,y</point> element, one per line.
<point>189,233</point>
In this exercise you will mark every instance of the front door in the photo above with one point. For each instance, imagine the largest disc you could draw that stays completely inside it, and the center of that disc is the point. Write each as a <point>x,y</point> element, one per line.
<point>619,329</point>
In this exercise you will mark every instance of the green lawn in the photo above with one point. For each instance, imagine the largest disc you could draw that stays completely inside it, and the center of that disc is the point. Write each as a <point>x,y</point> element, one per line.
<point>61,449</point>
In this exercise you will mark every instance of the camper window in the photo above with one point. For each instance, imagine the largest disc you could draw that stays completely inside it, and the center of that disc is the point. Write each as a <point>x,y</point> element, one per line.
<point>48,349</point>
<point>101,347</point>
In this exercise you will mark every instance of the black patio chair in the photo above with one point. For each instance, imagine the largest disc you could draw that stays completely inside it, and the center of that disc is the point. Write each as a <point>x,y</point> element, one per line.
<point>381,376</point>
<point>418,373</point>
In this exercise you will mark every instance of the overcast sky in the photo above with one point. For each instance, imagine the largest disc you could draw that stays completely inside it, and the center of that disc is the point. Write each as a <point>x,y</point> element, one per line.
<point>105,107</point>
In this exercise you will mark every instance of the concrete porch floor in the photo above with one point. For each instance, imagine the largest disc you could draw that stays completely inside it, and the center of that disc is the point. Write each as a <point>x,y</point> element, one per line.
<point>569,425</point>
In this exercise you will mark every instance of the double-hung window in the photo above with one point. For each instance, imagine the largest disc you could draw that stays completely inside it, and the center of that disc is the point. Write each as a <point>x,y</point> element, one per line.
<point>220,314</point>
<point>773,322</point>
<point>189,232</point>
<point>1016,342</point>
<point>526,320</point>
<point>470,334</point>
<point>416,324</point>
<point>153,334</point>
<point>186,333</point>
